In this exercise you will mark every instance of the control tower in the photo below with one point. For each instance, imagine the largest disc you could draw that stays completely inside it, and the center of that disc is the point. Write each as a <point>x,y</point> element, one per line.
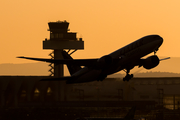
<point>60,39</point>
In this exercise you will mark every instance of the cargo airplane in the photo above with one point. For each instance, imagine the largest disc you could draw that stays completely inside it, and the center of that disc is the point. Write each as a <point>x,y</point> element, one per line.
<point>125,58</point>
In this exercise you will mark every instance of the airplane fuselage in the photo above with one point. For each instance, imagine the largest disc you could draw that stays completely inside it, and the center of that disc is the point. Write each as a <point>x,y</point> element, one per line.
<point>124,58</point>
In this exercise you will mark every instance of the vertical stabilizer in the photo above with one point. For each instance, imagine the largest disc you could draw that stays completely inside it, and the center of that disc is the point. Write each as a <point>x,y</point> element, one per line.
<point>71,67</point>
<point>130,115</point>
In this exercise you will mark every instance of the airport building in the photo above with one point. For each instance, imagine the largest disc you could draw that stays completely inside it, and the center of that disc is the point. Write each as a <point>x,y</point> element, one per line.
<point>150,94</point>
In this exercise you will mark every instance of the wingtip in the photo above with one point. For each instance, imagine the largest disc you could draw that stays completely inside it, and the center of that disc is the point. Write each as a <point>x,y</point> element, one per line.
<point>20,57</point>
<point>165,58</point>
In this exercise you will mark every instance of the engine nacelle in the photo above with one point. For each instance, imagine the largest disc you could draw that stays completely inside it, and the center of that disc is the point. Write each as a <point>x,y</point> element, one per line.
<point>104,61</point>
<point>151,62</point>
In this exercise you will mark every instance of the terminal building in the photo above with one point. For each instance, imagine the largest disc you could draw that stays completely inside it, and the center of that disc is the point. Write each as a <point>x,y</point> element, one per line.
<point>19,91</point>
<point>27,97</point>
<point>147,94</point>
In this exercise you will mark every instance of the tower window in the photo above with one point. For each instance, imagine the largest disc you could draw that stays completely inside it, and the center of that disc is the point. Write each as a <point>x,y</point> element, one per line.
<point>52,35</point>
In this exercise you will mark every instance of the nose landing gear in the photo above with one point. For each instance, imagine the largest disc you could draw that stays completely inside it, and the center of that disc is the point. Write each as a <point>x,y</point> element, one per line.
<point>155,51</point>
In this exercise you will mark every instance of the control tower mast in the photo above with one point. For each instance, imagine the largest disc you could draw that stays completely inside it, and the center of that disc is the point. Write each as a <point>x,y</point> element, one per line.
<point>61,39</point>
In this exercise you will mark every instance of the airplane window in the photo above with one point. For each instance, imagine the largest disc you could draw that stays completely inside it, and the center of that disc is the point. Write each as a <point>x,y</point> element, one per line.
<point>129,47</point>
<point>126,49</point>
<point>141,42</point>
<point>138,43</point>
<point>122,51</point>
<point>134,45</point>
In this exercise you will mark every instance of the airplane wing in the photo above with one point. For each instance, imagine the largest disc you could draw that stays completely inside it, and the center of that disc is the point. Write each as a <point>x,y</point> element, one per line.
<point>81,62</point>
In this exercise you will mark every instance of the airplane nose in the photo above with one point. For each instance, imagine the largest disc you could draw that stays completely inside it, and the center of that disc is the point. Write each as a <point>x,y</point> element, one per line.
<point>156,37</point>
<point>159,39</point>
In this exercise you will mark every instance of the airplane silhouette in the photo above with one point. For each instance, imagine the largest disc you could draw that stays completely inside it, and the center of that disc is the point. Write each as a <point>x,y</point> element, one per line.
<point>125,58</point>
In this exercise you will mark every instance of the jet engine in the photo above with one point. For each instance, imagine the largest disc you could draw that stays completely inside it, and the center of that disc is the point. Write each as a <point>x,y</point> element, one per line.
<point>104,61</point>
<point>151,62</point>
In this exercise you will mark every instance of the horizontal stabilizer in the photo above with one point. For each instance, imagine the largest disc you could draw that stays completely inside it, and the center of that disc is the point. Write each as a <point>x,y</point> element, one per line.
<point>58,79</point>
<point>81,62</point>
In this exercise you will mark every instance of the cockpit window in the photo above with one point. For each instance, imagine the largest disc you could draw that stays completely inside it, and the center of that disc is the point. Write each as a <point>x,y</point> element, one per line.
<point>156,36</point>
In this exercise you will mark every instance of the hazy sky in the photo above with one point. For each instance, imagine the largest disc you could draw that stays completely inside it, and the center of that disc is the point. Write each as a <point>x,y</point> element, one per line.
<point>104,25</point>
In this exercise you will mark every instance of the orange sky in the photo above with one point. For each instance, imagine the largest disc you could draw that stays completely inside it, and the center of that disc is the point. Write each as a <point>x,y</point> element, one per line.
<point>105,25</point>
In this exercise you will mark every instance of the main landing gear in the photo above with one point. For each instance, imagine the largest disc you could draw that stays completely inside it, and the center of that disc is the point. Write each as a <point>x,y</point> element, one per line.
<point>128,76</point>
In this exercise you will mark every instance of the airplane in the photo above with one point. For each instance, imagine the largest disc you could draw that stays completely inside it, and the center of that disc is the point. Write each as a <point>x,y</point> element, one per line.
<point>129,116</point>
<point>125,58</point>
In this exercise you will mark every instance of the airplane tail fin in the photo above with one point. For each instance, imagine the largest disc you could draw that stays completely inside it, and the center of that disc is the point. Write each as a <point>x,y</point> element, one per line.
<point>71,67</point>
<point>130,114</point>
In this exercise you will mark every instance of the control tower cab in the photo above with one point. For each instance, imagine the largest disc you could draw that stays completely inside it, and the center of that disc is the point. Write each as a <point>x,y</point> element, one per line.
<point>61,39</point>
